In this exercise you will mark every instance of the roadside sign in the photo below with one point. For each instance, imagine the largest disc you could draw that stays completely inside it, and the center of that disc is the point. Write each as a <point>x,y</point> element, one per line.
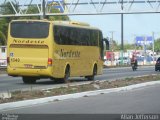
<point>57,4</point>
<point>140,40</point>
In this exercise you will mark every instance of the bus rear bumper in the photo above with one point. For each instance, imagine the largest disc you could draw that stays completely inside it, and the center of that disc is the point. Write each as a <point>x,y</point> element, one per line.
<point>29,72</point>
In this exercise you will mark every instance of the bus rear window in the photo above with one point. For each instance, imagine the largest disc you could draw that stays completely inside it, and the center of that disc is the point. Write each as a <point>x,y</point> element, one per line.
<point>25,29</point>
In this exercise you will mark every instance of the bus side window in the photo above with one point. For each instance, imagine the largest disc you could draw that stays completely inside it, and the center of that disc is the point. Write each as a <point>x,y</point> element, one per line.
<point>86,37</point>
<point>56,34</point>
<point>96,38</point>
<point>101,45</point>
<point>73,36</point>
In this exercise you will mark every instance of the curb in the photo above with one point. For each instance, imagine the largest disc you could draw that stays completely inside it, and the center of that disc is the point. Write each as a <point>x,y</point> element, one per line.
<point>3,75</point>
<point>12,105</point>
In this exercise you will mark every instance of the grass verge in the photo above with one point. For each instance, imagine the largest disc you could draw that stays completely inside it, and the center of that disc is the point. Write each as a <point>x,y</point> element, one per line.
<point>93,85</point>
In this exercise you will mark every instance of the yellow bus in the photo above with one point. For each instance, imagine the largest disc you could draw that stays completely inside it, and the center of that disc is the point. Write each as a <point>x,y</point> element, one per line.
<point>53,49</point>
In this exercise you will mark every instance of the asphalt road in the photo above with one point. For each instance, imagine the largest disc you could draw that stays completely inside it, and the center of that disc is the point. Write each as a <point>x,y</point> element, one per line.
<point>8,83</point>
<point>144,100</point>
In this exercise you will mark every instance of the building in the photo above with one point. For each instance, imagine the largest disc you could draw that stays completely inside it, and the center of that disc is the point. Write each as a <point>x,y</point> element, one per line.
<point>3,56</point>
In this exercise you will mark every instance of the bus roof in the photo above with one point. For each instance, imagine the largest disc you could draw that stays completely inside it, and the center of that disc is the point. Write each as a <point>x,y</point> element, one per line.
<point>64,23</point>
<point>74,24</point>
<point>44,20</point>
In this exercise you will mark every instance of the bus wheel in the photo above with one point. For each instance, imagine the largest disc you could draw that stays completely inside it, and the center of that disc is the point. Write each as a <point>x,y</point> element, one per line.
<point>67,74</point>
<point>93,74</point>
<point>58,80</point>
<point>29,80</point>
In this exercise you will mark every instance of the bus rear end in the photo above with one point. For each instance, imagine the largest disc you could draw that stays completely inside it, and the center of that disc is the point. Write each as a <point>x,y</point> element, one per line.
<point>28,50</point>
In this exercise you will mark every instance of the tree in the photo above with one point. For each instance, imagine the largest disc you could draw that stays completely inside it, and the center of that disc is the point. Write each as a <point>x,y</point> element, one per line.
<point>34,9</point>
<point>30,10</point>
<point>2,39</point>
<point>115,46</point>
<point>53,10</point>
<point>3,31</point>
<point>6,9</point>
<point>129,46</point>
<point>157,45</point>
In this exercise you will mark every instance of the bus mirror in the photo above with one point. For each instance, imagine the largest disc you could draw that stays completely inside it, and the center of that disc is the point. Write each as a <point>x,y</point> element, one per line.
<point>106,43</point>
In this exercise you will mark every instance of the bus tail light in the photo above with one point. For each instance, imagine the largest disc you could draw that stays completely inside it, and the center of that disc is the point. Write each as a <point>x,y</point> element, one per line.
<point>49,61</point>
<point>8,61</point>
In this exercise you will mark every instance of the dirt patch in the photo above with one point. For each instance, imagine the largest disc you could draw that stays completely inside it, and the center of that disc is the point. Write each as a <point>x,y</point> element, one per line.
<point>95,85</point>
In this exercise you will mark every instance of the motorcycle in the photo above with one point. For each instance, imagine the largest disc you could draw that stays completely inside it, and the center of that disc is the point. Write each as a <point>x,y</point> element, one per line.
<point>134,67</point>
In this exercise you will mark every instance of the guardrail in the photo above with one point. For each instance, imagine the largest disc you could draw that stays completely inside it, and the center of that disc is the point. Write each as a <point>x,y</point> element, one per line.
<point>141,63</point>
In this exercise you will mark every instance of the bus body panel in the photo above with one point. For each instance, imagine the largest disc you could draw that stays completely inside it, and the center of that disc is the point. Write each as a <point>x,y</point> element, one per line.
<point>29,56</point>
<point>81,65</point>
<point>29,72</point>
<point>33,57</point>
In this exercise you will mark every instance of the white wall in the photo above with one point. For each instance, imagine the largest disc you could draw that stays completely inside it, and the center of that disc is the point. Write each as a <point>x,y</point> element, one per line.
<point>3,56</point>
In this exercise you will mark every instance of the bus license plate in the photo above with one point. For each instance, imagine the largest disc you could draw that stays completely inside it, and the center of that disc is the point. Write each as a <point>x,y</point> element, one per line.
<point>28,65</point>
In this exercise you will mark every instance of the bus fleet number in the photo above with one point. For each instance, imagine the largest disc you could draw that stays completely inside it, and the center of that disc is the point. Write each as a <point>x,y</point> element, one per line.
<point>15,60</point>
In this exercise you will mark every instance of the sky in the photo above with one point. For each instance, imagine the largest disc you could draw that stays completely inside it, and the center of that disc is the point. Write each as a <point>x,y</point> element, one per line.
<point>134,25</point>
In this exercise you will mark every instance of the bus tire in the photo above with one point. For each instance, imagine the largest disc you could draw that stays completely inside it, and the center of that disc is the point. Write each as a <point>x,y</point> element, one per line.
<point>58,80</point>
<point>91,77</point>
<point>29,80</point>
<point>67,74</point>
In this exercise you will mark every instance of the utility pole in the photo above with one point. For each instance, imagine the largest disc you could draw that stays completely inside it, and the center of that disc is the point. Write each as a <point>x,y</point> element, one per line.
<point>122,33</point>
<point>43,9</point>
<point>145,49</point>
<point>112,47</point>
<point>153,45</point>
<point>135,44</point>
<point>112,32</point>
